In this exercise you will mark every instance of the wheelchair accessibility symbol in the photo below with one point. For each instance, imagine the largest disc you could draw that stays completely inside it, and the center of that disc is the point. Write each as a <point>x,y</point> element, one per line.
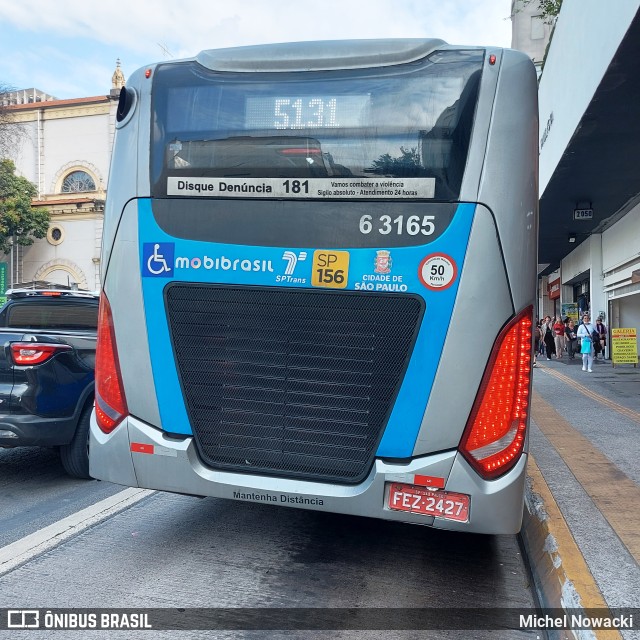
<point>157,259</point>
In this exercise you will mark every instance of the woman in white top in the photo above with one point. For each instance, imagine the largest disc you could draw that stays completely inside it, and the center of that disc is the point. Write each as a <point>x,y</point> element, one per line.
<point>585,331</point>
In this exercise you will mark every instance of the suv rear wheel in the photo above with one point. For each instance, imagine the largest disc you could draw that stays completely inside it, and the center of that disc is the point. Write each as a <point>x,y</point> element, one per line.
<point>75,455</point>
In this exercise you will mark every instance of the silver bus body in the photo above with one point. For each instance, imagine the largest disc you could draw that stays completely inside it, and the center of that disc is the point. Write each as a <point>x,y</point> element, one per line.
<point>489,235</point>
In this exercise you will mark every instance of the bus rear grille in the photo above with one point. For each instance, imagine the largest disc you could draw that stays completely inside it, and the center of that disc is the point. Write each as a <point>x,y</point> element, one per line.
<point>290,382</point>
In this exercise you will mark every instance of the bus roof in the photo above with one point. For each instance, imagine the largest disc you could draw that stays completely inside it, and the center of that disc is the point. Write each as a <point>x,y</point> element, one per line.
<point>320,55</point>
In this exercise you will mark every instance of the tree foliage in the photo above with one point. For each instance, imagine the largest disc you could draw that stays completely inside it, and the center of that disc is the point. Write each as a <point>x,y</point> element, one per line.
<point>12,133</point>
<point>549,9</point>
<point>407,164</point>
<point>18,219</point>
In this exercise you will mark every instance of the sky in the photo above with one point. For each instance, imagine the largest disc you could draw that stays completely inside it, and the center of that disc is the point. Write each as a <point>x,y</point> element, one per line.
<point>68,48</point>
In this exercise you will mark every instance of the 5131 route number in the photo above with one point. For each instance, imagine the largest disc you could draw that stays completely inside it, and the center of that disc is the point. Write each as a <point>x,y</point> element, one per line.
<point>411,225</point>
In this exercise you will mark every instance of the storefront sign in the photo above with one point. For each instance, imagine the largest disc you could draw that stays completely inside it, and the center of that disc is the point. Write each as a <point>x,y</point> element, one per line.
<point>570,310</point>
<point>624,343</point>
<point>554,289</point>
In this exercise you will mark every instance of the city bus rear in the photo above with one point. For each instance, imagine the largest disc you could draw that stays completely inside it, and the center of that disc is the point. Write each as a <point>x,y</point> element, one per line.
<point>319,283</point>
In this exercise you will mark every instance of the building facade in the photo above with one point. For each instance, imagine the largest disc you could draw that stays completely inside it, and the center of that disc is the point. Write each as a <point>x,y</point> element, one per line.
<point>65,152</point>
<point>530,32</point>
<point>589,166</point>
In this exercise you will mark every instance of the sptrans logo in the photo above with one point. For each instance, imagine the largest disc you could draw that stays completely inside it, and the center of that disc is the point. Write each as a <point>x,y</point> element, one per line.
<point>292,259</point>
<point>159,261</point>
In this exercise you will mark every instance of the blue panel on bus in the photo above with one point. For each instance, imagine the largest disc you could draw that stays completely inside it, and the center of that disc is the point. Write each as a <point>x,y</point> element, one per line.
<point>431,271</point>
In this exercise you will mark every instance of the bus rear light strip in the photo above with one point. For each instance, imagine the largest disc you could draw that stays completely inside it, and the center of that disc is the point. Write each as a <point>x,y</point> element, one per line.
<point>494,437</point>
<point>111,404</point>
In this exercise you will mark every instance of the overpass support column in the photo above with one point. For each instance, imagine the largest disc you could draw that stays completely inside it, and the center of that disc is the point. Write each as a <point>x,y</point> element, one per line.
<point>596,280</point>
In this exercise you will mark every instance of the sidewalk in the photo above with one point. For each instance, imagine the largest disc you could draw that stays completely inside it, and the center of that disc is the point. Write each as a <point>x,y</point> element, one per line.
<point>585,440</point>
<point>623,380</point>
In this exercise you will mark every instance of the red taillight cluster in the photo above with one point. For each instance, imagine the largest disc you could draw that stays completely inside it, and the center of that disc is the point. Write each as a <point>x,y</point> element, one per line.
<point>30,353</point>
<point>495,433</point>
<point>111,404</point>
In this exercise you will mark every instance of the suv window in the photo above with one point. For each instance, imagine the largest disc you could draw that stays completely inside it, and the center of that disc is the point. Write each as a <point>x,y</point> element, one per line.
<point>53,316</point>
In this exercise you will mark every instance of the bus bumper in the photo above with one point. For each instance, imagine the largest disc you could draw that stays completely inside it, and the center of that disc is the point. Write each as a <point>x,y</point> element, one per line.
<point>138,455</point>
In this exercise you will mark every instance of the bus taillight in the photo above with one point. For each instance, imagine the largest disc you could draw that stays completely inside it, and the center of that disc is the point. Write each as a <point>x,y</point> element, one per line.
<point>111,404</point>
<point>494,437</point>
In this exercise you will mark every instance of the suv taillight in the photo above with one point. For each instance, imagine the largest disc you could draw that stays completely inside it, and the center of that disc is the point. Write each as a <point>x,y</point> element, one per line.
<point>30,353</point>
<point>494,437</point>
<point>111,404</point>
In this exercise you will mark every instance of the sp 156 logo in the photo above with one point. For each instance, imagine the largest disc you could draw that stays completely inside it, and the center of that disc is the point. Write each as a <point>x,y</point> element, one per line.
<point>330,269</point>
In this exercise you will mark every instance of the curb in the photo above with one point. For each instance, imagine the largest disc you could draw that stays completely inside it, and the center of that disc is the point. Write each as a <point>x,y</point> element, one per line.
<point>561,576</point>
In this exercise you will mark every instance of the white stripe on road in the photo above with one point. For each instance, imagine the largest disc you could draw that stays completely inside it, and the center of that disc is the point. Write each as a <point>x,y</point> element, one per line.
<point>27,548</point>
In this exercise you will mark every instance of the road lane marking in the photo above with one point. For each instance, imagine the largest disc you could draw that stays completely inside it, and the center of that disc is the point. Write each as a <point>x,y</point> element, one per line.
<point>27,548</point>
<point>603,482</point>
<point>629,413</point>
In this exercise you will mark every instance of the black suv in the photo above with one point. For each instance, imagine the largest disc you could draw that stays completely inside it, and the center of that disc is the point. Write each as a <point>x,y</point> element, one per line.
<point>47,363</point>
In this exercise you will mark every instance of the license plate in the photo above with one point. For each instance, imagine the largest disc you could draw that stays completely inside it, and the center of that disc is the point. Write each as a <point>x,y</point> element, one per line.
<point>442,504</point>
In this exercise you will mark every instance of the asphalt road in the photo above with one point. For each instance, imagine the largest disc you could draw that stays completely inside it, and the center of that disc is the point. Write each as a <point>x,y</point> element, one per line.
<point>179,551</point>
<point>35,492</point>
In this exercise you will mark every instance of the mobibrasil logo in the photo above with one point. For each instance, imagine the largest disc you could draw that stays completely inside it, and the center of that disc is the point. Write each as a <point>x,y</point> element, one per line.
<point>159,261</point>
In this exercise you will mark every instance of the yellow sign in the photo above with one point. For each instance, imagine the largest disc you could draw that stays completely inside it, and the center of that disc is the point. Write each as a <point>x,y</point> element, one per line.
<point>330,269</point>
<point>570,310</point>
<point>624,343</point>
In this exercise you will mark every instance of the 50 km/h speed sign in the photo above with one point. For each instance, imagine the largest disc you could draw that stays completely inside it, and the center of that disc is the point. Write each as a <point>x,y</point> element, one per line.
<point>438,271</point>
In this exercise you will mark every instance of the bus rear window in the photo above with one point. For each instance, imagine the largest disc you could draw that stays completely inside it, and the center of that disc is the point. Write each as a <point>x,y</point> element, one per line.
<point>410,121</point>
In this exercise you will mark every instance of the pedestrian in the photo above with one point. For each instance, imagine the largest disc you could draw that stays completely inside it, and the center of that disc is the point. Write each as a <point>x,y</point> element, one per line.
<point>585,333</point>
<point>558,337</point>
<point>540,338</point>
<point>572,339</point>
<point>597,348</point>
<point>602,333</point>
<point>547,333</point>
<point>537,339</point>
